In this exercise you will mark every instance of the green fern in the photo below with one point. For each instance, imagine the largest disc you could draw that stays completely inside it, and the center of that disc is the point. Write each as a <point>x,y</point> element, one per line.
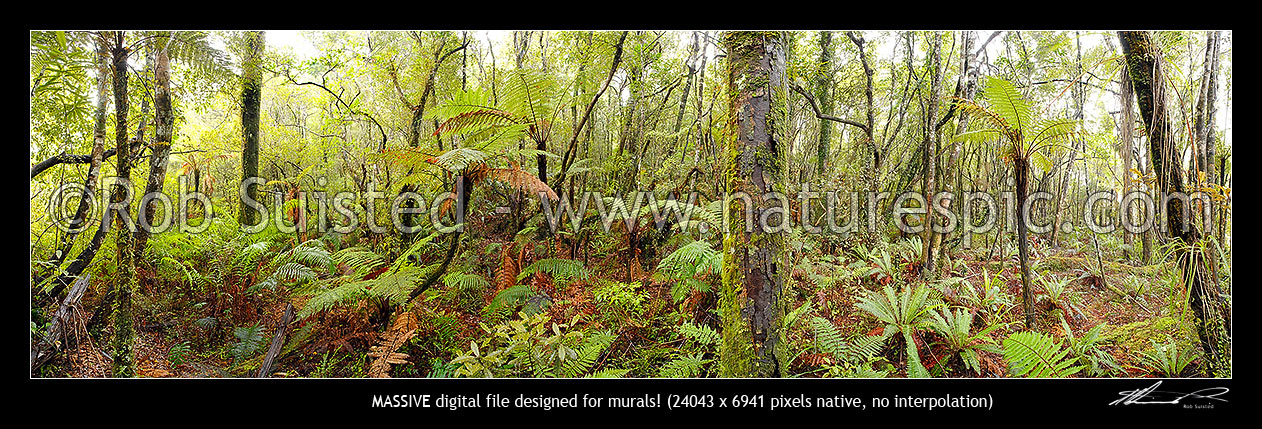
<point>559,269</point>
<point>1167,359</point>
<point>700,335</point>
<point>587,354</point>
<point>508,299</point>
<point>905,312</point>
<point>851,358</point>
<point>1087,347</point>
<point>392,287</point>
<point>464,282</point>
<point>956,328</point>
<point>686,366</point>
<point>249,341</point>
<point>1035,355</point>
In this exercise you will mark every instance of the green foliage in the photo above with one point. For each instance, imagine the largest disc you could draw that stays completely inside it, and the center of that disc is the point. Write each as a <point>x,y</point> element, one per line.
<point>991,299</point>
<point>559,269</point>
<point>392,287</point>
<point>686,366</point>
<point>1168,359</point>
<point>508,300</point>
<point>619,302</point>
<point>956,328</point>
<point>689,266</point>
<point>852,358</point>
<point>905,312</point>
<point>249,341</point>
<point>700,336</point>
<point>534,346</point>
<point>178,353</point>
<point>1088,348</point>
<point>1035,355</point>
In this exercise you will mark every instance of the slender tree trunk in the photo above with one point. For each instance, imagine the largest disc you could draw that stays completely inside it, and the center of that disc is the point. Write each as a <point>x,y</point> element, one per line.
<point>1078,94</point>
<point>967,85</point>
<point>930,155</point>
<point>751,297</point>
<point>1127,129</point>
<point>823,92</point>
<point>125,280</point>
<point>1021,170</point>
<point>251,98</point>
<point>163,131</point>
<point>1143,59</point>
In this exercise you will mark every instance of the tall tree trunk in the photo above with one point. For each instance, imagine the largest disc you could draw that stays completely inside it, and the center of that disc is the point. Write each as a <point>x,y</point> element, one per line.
<point>930,155</point>
<point>1021,170</point>
<point>1204,119</point>
<point>1079,95</point>
<point>751,297</point>
<point>1143,59</point>
<point>966,88</point>
<point>823,92</point>
<point>125,280</point>
<point>251,99</point>
<point>163,131</point>
<point>1127,130</point>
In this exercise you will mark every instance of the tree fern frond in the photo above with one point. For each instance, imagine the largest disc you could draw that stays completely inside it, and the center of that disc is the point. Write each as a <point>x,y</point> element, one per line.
<point>522,180</point>
<point>1006,101</point>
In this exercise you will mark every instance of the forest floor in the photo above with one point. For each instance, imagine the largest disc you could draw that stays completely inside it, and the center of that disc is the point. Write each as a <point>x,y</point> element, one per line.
<point>1134,318</point>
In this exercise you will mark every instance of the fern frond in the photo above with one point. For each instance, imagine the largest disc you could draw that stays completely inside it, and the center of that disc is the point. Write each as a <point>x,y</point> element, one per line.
<point>702,335</point>
<point>1035,355</point>
<point>522,180</point>
<point>462,281</point>
<point>560,269</point>
<point>587,354</point>
<point>402,330</point>
<point>687,366</point>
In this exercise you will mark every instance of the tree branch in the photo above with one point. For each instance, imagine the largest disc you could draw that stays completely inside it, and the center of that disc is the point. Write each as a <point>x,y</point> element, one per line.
<point>815,108</point>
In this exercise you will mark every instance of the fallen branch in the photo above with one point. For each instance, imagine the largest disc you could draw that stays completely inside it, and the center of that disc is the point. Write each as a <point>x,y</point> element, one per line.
<point>54,337</point>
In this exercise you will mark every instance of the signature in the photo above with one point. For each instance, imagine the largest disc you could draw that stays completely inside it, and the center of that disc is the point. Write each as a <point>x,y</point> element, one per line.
<point>1151,395</point>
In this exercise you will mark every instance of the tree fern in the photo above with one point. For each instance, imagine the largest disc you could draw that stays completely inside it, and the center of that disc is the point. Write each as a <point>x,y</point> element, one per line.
<point>358,261</point>
<point>1035,355</point>
<point>392,287</point>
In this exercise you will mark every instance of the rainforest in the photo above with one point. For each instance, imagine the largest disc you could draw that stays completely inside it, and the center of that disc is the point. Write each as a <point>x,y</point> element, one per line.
<point>630,204</point>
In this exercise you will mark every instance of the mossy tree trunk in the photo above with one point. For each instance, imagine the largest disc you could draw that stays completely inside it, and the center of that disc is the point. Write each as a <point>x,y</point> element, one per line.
<point>251,98</point>
<point>1143,61</point>
<point>824,92</point>
<point>164,121</point>
<point>125,279</point>
<point>930,155</point>
<point>751,297</point>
